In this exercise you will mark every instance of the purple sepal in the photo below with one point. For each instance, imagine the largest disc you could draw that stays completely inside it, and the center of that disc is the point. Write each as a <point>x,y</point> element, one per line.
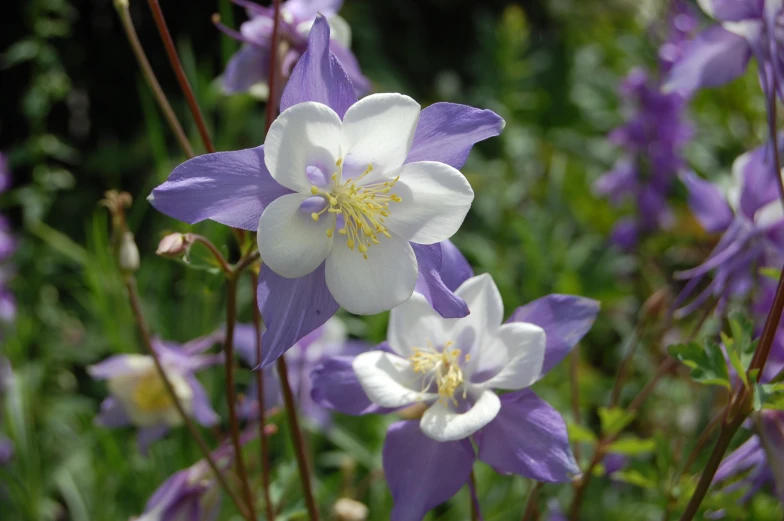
<point>446,132</point>
<point>430,284</point>
<point>421,472</point>
<point>707,203</point>
<point>529,438</point>
<point>335,386</point>
<point>231,188</point>
<point>148,435</point>
<point>112,414</point>
<point>454,267</point>
<point>6,450</point>
<point>758,181</point>
<point>202,409</point>
<point>246,68</point>
<point>565,320</point>
<point>319,76</point>
<point>735,10</point>
<point>291,309</point>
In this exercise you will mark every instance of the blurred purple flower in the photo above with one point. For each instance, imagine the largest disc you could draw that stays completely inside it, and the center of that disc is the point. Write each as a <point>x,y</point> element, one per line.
<point>6,376</point>
<point>303,280</point>
<point>8,245</point>
<point>249,67</point>
<point>750,218</point>
<point>681,25</point>
<point>326,341</point>
<point>138,396</point>
<point>5,173</point>
<point>427,461</point>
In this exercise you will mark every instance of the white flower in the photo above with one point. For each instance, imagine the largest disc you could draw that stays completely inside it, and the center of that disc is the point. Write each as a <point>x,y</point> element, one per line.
<point>355,204</point>
<point>453,364</point>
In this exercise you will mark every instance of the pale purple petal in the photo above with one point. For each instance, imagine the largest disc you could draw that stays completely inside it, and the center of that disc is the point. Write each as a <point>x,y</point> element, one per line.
<point>291,309</point>
<point>565,320</point>
<point>319,76</point>
<point>454,267</point>
<point>231,188</point>
<point>432,287</point>
<point>758,181</point>
<point>6,450</point>
<point>202,410</point>
<point>529,438</point>
<point>335,386</point>
<point>748,455</point>
<point>112,414</point>
<point>303,10</point>
<point>446,132</point>
<point>148,435</point>
<point>351,66</point>
<point>715,57</point>
<point>421,472</point>
<point>168,491</point>
<point>707,203</point>
<point>248,66</point>
<point>245,344</point>
<point>113,366</point>
<point>734,10</point>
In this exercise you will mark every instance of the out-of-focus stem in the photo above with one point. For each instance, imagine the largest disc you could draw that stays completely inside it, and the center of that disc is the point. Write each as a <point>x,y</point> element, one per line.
<point>265,467</point>
<point>149,75</point>
<point>530,505</point>
<point>133,297</point>
<point>273,73</point>
<point>224,265</point>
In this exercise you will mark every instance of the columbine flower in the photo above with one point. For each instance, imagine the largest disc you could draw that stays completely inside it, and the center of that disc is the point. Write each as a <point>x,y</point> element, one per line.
<point>248,68</point>
<point>139,396</point>
<point>352,199</point>
<point>328,340</point>
<point>749,215</point>
<point>452,366</point>
<point>721,52</point>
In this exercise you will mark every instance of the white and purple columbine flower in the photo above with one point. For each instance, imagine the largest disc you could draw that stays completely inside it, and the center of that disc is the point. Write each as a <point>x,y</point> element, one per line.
<point>248,68</point>
<point>749,216</point>
<point>139,396</point>
<point>352,199</point>
<point>330,339</point>
<point>722,52</point>
<point>452,366</point>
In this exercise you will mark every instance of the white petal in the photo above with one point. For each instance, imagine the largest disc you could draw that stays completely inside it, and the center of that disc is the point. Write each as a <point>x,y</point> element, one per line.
<point>387,379</point>
<point>442,423</point>
<point>486,313</point>
<point>379,283</point>
<point>518,353</point>
<point>307,134</point>
<point>414,323</point>
<point>435,199</point>
<point>379,130</point>
<point>291,243</point>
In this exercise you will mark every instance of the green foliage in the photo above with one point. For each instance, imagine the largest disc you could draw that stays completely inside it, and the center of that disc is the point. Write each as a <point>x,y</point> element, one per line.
<point>706,362</point>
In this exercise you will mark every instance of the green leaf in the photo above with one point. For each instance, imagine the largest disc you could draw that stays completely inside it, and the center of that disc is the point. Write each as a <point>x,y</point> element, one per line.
<point>707,363</point>
<point>614,420</point>
<point>769,396</point>
<point>632,446</point>
<point>634,477</point>
<point>771,273</point>
<point>578,433</point>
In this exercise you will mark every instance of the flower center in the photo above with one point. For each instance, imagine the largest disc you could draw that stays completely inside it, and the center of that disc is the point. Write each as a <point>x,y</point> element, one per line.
<point>442,368</point>
<point>150,394</point>
<point>363,207</point>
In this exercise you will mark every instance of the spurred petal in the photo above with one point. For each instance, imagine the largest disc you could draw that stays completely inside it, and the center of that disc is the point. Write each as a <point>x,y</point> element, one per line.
<point>412,324</point>
<point>446,132</point>
<point>434,200</point>
<point>707,203</point>
<point>336,386</point>
<point>231,188</point>
<point>732,10</point>
<point>368,286</point>
<point>379,129</point>
<point>529,438</point>
<point>514,357</point>
<point>565,320</point>
<point>433,266</point>
<point>248,67</point>
<point>318,75</point>
<point>291,243</point>
<point>291,309</point>
<point>755,183</point>
<point>715,57</point>
<point>307,134</point>
<point>748,455</point>
<point>388,380</point>
<point>421,472</point>
<point>443,423</point>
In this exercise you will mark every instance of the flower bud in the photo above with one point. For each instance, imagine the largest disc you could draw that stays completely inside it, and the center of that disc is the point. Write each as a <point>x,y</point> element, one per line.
<point>346,509</point>
<point>128,255</point>
<point>173,245</point>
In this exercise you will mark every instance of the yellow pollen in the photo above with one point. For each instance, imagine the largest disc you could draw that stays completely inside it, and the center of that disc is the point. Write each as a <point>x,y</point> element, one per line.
<point>364,207</point>
<point>442,366</point>
<point>150,394</point>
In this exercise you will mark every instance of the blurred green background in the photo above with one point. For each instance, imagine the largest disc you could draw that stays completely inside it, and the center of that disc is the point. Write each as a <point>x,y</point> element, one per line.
<point>76,119</point>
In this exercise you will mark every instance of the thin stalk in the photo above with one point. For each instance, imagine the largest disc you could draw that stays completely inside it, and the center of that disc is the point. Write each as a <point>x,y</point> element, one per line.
<point>574,389</point>
<point>634,343</point>
<point>297,440</point>
<point>530,505</point>
<point>133,297</point>
<point>224,265</point>
<point>471,493</point>
<point>149,75</point>
<point>182,79</point>
<point>273,72</point>
<point>264,456</point>
<point>231,398</point>
<point>701,441</point>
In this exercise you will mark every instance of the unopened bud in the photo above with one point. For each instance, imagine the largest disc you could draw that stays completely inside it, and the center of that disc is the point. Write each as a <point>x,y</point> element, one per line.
<point>346,509</point>
<point>128,256</point>
<point>173,245</point>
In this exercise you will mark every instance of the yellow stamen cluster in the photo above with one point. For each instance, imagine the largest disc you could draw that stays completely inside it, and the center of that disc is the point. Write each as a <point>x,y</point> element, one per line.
<point>443,367</point>
<point>364,208</point>
<point>150,394</point>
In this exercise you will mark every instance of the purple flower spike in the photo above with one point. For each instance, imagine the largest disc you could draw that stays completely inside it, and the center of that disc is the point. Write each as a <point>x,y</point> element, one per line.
<point>346,216</point>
